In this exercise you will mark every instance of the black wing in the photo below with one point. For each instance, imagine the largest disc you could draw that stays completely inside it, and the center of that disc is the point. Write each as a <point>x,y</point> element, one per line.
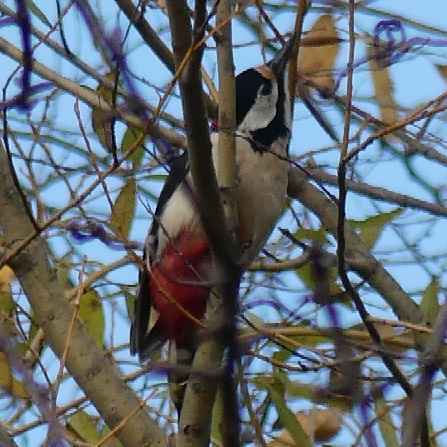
<point>143,342</point>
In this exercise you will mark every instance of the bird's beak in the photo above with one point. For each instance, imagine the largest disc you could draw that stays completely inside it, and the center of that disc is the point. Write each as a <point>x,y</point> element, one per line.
<point>279,63</point>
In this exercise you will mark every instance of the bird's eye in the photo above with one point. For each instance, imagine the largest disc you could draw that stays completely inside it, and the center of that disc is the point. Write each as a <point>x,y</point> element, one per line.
<point>266,89</point>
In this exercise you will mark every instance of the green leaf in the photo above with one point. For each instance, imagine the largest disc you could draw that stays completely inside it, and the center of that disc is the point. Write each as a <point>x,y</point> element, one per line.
<point>124,209</point>
<point>104,432</point>
<point>430,304</point>
<point>32,330</point>
<point>130,137</point>
<point>7,306</point>
<point>315,339</point>
<point>386,427</point>
<point>130,300</point>
<point>216,433</point>
<point>92,315</point>
<point>38,13</point>
<point>82,425</point>
<point>276,391</point>
<point>306,274</point>
<point>306,234</point>
<point>102,121</point>
<point>372,227</point>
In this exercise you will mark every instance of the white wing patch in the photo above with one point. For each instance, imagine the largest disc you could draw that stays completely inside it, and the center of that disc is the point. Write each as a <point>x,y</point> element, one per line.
<point>261,195</point>
<point>179,213</point>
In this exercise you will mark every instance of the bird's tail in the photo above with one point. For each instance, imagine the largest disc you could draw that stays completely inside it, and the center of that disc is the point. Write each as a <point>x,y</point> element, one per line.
<point>181,358</point>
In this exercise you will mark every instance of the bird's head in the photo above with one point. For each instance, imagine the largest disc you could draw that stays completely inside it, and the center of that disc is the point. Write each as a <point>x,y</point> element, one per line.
<point>263,103</point>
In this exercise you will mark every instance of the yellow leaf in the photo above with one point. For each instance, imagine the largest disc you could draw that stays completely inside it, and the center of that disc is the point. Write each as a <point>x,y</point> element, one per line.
<point>430,304</point>
<point>5,373</point>
<point>319,425</point>
<point>102,121</point>
<point>8,382</point>
<point>383,87</point>
<point>442,70</point>
<point>18,390</point>
<point>92,315</point>
<point>124,209</point>
<point>317,62</point>
<point>6,278</point>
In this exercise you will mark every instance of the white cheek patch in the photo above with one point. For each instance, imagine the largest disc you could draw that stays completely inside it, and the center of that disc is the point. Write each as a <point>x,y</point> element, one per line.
<point>262,112</point>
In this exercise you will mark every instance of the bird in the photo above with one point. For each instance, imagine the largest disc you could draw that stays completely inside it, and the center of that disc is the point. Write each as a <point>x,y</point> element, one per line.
<point>177,262</point>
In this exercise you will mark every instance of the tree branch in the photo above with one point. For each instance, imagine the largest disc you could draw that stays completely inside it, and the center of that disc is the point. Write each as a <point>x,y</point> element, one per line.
<point>86,363</point>
<point>91,98</point>
<point>151,38</point>
<point>361,260</point>
<point>195,421</point>
<point>376,192</point>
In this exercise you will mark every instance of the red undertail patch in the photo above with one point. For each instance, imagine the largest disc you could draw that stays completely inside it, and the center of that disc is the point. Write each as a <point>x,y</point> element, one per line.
<point>184,263</point>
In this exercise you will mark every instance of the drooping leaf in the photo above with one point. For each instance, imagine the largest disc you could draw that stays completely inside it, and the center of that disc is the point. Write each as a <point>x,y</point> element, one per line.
<point>124,209</point>
<point>285,415</point>
<point>91,313</point>
<point>31,6</point>
<point>129,139</point>
<point>6,278</point>
<point>430,304</point>
<point>317,62</point>
<point>383,88</point>
<point>372,227</point>
<point>129,300</point>
<point>7,304</point>
<point>102,121</point>
<point>82,425</point>
<point>216,425</point>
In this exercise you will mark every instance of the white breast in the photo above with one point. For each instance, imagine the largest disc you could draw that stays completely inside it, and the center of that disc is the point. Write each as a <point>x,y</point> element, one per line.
<point>261,195</point>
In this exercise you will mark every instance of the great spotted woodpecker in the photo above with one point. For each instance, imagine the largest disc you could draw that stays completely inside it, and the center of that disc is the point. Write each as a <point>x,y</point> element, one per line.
<point>177,255</point>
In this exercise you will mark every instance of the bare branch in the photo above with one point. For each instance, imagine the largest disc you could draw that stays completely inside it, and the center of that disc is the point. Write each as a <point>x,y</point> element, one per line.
<point>88,366</point>
<point>362,261</point>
